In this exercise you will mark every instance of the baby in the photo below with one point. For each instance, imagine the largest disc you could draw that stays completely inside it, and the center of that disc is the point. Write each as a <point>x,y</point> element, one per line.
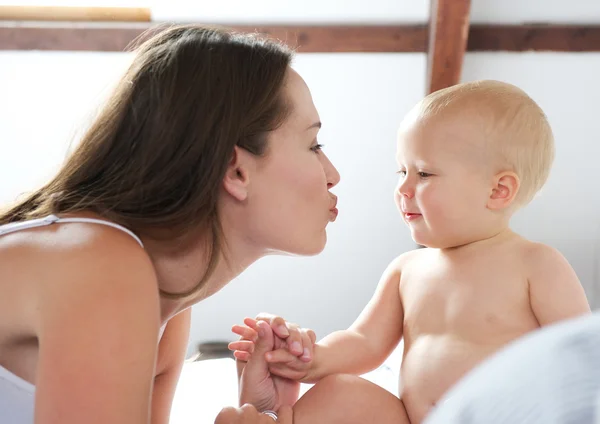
<point>469,157</point>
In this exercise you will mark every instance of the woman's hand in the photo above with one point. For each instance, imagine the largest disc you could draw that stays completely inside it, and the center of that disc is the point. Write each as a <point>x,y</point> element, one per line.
<point>258,386</point>
<point>248,414</point>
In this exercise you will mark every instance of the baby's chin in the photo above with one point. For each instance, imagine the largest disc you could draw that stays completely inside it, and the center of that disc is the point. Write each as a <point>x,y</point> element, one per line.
<point>440,244</point>
<point>430,242</point>
<point>424,237</point>
<point>419,238</point>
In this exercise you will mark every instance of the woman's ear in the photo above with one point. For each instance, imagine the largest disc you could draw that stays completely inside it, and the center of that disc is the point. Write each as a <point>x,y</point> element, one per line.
<point>237,176</point>
<point>504,190</point>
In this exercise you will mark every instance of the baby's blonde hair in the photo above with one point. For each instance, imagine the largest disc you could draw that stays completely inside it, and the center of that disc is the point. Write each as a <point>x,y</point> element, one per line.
<point>515,129</point>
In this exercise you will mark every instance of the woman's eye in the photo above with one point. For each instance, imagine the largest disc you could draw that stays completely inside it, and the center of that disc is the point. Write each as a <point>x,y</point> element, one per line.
<point>316,148</point>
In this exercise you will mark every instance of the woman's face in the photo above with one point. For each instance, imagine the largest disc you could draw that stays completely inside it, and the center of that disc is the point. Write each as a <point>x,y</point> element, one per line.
<point>289,203</point>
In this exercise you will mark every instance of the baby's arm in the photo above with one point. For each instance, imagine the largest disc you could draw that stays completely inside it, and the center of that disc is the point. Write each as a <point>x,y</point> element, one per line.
<point>555,292</point>
<point>357,350</point>
<point>370,339</point>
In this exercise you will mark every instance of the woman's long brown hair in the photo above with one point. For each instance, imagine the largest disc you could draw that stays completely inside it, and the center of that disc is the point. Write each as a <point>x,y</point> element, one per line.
<point>155,157</point>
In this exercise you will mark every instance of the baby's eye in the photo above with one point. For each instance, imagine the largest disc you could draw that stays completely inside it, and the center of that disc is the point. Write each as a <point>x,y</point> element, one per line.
<point>424,174</point>
<point>401,173</point>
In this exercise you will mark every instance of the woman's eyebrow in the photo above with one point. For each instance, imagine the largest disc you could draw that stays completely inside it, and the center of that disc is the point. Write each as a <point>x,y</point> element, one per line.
<point>315,125</point>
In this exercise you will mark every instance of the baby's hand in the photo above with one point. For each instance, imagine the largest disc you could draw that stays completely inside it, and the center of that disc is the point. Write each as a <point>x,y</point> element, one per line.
<point>292,351</point>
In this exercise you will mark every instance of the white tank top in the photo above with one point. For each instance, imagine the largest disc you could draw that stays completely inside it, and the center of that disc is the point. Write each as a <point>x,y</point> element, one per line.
<point>17,396</point>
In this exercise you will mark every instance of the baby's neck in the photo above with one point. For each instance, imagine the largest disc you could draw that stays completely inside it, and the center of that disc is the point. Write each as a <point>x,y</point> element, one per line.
<point>492,238</point>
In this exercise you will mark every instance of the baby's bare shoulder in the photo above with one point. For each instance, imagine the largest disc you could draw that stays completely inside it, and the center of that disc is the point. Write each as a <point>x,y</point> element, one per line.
<point>537,261</point>
<point>536,254</point>
<point>409,258</point>
<point>412,261</point>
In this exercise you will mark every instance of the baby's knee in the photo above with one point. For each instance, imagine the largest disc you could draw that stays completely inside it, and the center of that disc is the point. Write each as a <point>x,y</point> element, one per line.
<point>348,399</point>
<point>344,389</point>
<point>339,384</point>
<point>329,401</point>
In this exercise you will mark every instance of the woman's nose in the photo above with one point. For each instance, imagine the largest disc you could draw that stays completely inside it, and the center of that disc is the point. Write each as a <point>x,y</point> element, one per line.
<point>331,173</point>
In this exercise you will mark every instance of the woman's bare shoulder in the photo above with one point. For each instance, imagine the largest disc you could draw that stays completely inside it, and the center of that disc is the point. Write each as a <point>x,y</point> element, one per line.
<point>93,302</point>
<point>97,262</point>
<point>77,265</point>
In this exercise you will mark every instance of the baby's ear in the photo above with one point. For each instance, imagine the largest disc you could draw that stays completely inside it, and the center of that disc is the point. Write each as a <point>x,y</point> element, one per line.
<point>504,190</point>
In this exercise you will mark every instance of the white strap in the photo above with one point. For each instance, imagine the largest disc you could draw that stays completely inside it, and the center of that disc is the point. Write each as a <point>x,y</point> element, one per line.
<point>101,222</point>
<point>50,219</point>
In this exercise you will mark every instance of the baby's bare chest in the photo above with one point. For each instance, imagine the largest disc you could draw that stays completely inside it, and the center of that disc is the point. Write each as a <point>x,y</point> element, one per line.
<point>470,299</point>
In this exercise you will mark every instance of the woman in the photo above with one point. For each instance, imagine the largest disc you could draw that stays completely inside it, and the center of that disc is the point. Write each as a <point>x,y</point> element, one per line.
<point>204,159</point>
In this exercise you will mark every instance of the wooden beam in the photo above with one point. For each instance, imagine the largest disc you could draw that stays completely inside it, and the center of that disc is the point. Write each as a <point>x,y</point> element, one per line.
<point>448,33</point>
<point>74,13</point>
<point>534,37</point>
<point>305,39</point>
<point>80,36</point>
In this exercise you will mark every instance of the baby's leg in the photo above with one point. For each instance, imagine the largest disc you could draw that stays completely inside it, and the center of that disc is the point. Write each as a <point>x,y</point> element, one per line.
<point>349,399</point>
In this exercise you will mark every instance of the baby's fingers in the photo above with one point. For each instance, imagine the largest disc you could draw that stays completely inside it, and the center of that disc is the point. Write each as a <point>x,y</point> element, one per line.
<point>252,323</point>
<point>241,355</point>
<point>243,345</point>
<point>280,356</point>
<point>245,332</point>
<point>308,341</point>
<point>285,371</point>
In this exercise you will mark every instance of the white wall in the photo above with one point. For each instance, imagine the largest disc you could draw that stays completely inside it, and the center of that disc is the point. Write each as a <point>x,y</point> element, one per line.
<point>278,11</point>
<point>348,11</point>
<point>266,11</point>
<point>361,99</point>
<point>45,100</point>
<point>525,11</point>
<point>46,96</point>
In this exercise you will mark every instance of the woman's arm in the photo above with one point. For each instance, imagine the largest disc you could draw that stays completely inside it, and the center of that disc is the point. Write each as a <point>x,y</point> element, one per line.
<point>98,321</point>
<point>172,349</point>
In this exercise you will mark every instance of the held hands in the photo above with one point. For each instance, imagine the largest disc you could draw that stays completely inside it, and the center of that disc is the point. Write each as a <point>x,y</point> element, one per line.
<point>257,385</point>
<point>289,350</point>
<point>293,347</point>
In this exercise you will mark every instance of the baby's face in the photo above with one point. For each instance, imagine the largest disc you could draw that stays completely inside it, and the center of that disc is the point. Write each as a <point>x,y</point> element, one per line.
<point>444,182</point>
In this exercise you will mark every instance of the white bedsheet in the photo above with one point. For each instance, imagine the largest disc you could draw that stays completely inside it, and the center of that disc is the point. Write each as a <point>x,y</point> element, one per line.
<point>205,387</point>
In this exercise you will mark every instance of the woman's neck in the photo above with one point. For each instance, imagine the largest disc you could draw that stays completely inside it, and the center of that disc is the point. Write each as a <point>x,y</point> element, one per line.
<point>182,272</point>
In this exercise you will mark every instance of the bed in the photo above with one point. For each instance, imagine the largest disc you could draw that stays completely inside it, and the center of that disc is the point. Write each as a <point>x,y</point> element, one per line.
<point>206,386</point>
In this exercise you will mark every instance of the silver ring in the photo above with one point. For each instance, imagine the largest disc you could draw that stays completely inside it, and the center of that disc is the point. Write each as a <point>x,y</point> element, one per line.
<point>271,414</point>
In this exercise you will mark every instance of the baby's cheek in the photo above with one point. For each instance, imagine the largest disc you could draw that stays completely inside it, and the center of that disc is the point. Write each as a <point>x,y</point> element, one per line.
<point>433,201</point>
<point>397,200</point>
<point>436,213</point>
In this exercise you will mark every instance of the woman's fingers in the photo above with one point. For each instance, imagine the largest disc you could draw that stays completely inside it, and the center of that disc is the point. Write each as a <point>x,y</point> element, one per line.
<point>278,324</point>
